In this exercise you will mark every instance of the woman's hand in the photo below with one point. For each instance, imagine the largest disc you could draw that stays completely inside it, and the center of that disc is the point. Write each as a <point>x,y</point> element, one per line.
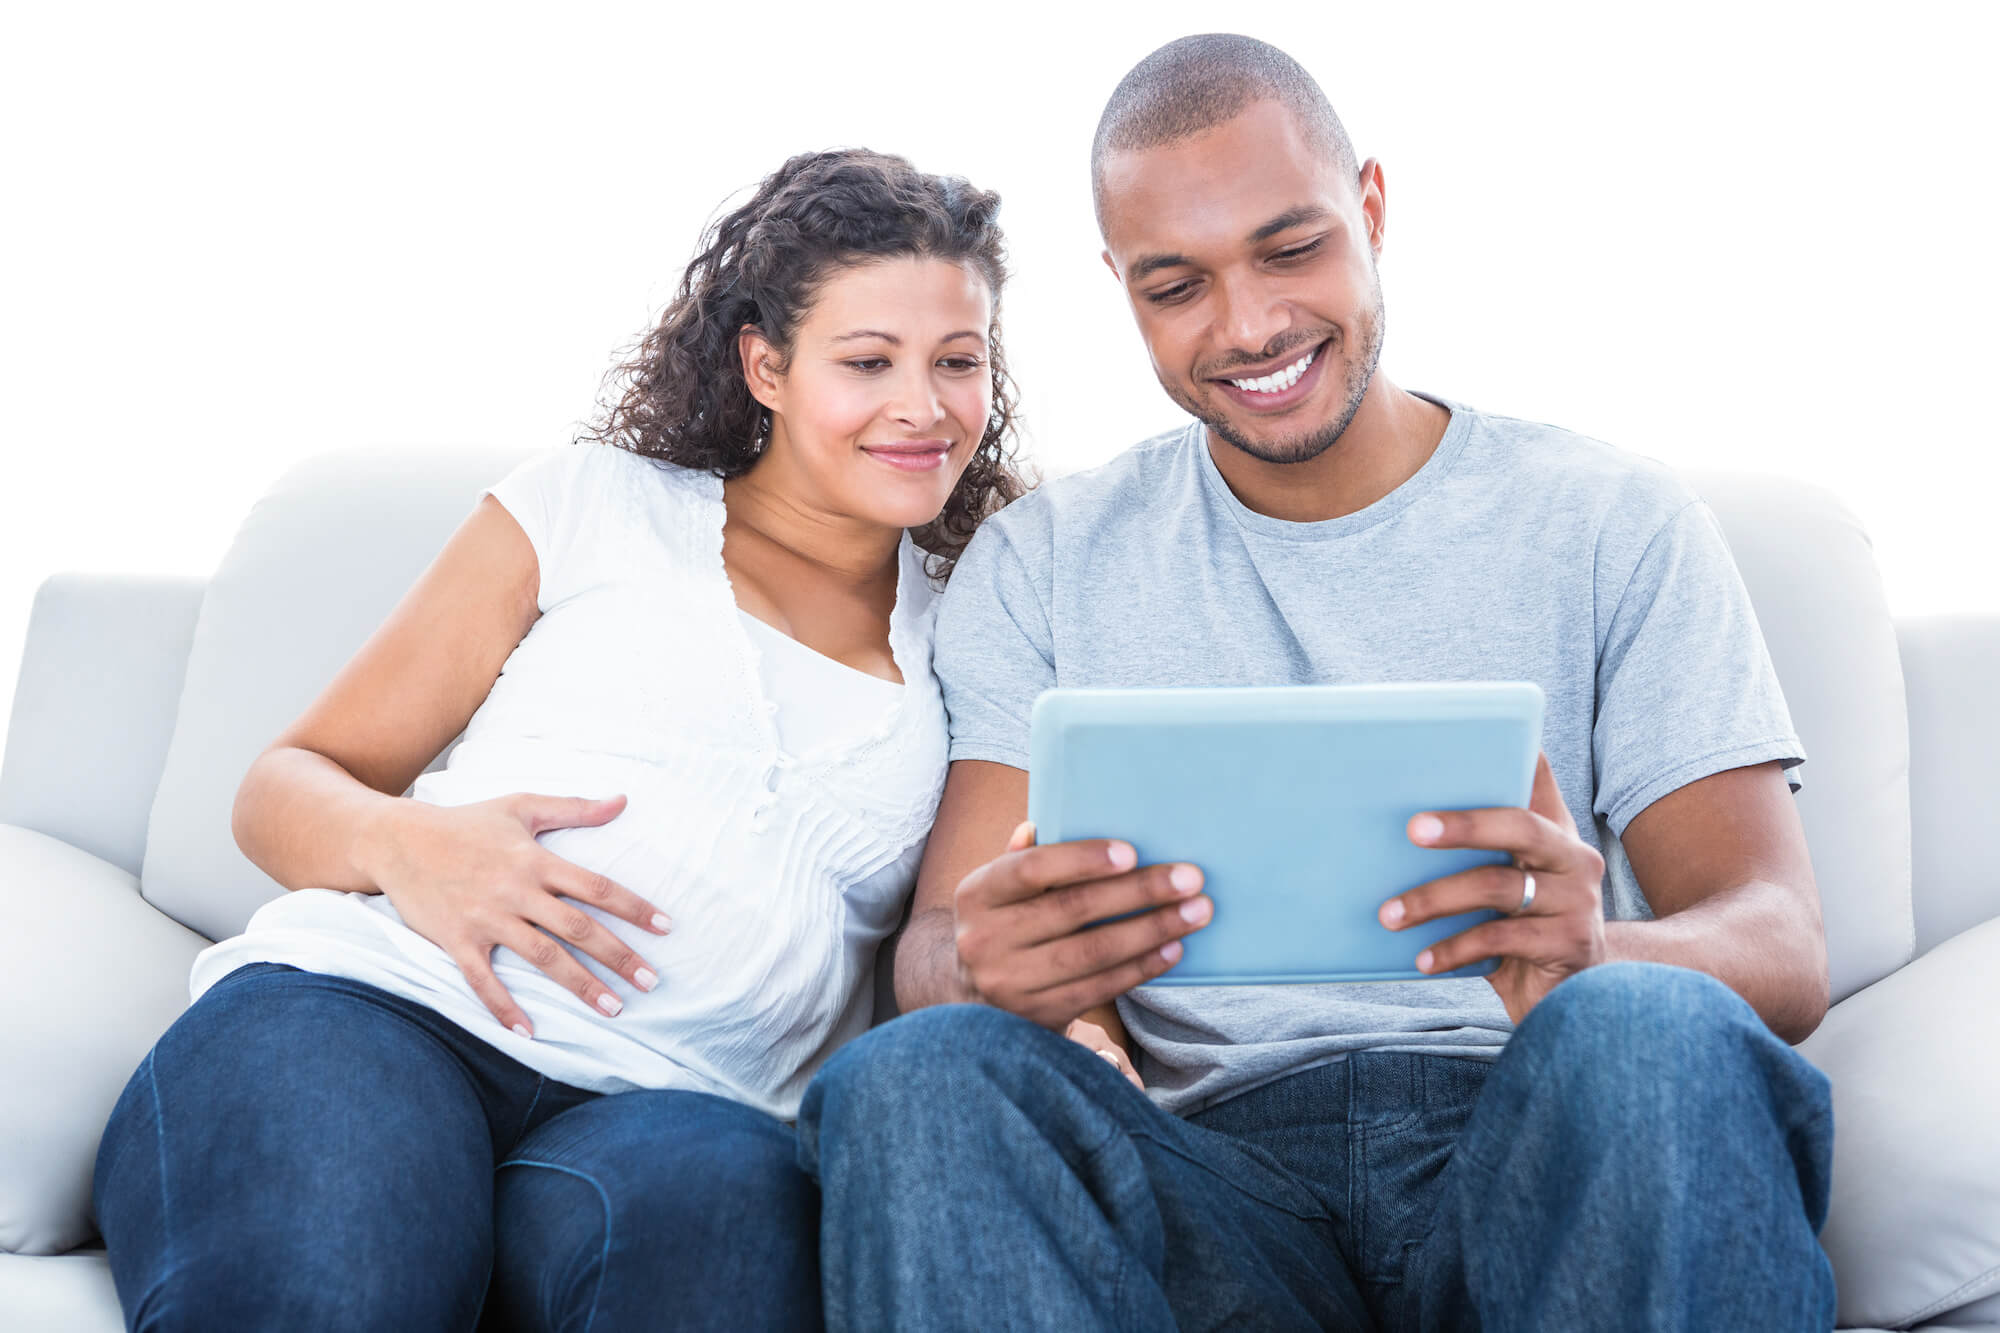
<point>470,878</point>
<point>1089,1034</point>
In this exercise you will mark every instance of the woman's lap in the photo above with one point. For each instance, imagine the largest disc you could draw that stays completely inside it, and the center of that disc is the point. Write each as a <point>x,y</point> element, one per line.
<point>304,1151</point>
<point>657,1208</point>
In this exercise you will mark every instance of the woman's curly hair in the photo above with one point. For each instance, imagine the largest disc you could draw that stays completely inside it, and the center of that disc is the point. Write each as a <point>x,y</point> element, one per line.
<point>681,395</point>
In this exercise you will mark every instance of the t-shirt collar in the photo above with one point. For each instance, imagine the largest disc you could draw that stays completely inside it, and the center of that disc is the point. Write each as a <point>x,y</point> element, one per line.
<point>1456,432</point>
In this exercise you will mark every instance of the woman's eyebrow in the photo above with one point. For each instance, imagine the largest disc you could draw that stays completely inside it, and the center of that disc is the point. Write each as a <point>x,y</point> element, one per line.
<point>894,341</point>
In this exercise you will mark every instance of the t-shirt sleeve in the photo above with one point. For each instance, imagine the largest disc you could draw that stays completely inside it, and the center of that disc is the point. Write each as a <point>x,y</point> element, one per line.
<point>994,654</point>
<point>545,494</point>
<point>1685,686</point>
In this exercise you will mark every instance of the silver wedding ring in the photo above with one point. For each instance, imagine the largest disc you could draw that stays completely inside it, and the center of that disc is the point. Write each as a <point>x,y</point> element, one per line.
<point>1109,1055</point>
<point>1527,891</point>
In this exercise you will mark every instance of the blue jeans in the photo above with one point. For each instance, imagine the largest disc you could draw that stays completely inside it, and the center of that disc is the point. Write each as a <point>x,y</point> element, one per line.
<point>1645,1154</point>
<point>307,1152</point>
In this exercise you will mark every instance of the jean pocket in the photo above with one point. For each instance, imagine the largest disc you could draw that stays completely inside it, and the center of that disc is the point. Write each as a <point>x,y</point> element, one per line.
<point>1403,1176</point>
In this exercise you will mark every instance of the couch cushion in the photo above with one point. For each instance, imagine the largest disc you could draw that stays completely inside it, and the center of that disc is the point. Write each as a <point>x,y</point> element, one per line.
<point>101,677</point>
<point>69,1293</point>
<point>1950,664</point>
<point>1916,1164</point>
<point>90,977</point>
<point>317,565</point>
<point>1812,578</point>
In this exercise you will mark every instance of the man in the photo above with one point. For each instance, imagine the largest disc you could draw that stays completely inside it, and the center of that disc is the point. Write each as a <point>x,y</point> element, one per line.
<point>1610,1132</point>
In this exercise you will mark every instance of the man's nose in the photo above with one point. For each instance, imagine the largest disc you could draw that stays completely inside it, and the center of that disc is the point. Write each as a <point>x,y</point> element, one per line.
<point>1251,317</point>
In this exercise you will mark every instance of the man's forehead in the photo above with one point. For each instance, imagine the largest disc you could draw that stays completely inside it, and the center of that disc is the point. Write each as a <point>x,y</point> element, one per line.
<point>1218,187</point>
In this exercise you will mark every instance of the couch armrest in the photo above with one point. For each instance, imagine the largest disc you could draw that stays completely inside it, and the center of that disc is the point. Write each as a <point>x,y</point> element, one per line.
<point>94,709</point>
<point>1950,666</point>
<point>90,975</point>
<point>1916,1165</point>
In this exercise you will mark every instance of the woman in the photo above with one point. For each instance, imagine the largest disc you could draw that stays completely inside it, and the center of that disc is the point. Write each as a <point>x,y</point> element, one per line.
<point>546,1022</point>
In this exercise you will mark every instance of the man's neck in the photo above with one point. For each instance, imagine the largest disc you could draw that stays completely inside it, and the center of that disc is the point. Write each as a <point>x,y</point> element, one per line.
<point>1391,436</point>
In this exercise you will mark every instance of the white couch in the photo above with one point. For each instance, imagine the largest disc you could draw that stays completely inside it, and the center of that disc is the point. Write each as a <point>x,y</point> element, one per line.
<point>142,701</point>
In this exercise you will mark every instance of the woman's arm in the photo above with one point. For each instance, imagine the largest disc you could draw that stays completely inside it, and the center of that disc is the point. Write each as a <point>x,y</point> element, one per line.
<point>324,784</point>
<point>1104,1032</point>
<point>322,806</point>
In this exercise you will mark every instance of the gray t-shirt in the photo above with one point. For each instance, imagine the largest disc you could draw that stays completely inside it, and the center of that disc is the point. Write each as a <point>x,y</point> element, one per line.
<point>1517,552</point>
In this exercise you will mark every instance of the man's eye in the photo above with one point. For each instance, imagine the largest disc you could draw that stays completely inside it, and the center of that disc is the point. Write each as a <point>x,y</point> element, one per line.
<point>1169,295</point>
<point>1297,251</point>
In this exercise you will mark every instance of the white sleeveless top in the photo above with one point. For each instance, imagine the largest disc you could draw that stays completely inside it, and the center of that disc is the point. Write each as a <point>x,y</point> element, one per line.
<point>782,866</point>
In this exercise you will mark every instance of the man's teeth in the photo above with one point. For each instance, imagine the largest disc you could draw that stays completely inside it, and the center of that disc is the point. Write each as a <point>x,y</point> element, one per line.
<point>1278,381</point>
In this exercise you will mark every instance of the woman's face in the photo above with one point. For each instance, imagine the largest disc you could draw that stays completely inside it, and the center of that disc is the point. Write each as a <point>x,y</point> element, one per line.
<point>886,394</point>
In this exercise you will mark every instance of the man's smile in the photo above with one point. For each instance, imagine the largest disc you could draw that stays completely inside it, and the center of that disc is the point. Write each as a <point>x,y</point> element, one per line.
<point>1280,386</point>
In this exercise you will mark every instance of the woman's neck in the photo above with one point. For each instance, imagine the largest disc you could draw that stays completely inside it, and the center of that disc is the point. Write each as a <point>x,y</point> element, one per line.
<point>770,507</point>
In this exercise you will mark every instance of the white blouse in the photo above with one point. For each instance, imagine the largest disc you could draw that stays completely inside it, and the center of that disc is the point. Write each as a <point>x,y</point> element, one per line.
<point>783,866</point>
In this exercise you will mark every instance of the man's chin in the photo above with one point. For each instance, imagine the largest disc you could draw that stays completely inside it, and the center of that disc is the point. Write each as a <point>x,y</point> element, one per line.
<point>1288,448</point>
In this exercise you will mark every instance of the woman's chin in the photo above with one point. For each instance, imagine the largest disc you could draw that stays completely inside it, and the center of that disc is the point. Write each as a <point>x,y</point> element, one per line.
<point>913,508</point>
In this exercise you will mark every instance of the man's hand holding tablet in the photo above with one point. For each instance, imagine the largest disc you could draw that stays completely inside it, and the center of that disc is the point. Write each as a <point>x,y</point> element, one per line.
<point>1024,933</point>
<point>1550,932</point>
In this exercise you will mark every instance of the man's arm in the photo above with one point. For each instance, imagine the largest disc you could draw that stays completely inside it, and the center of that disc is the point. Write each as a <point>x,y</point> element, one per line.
<point>981,806</point>
<point>1723,862</point>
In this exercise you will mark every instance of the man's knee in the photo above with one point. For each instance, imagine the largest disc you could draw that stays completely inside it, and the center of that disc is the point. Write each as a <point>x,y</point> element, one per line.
<point>911,1060</point>
<point>1630,1007</point>
<point>943,1065</point>
<point>1622,1037</point>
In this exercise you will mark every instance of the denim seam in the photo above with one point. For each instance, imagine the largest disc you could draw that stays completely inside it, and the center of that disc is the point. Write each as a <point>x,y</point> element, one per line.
<point>528,1116</point>
<point>604,1253</point>
<point>160,1142</point>
<point>1320,1216</point>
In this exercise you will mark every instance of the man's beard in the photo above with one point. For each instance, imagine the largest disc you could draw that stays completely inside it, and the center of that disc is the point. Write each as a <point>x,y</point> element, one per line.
<point>1360,373</point>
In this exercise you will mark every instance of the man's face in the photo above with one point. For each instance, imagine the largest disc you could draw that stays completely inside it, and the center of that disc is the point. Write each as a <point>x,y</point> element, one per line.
<point>1250,265</point>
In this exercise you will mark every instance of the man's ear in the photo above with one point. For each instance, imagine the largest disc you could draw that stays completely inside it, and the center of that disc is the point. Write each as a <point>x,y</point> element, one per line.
<point>760,361</point>
<point>1374,203</point>
<point>1111,264</point>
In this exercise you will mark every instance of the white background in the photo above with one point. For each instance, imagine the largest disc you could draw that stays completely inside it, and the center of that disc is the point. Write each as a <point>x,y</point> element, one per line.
<point>233,236</point>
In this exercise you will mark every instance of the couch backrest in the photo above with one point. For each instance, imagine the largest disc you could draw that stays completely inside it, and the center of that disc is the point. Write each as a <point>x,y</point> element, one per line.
<point>1812,578</point>
<point>318,563</point>
<point>326,554</point>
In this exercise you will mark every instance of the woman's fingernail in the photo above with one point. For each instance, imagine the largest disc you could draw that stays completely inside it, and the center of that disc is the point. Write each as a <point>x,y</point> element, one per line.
<point>662,922</point>
<point>1426,828</point>
<point>1392,911</point>
<point>1424,961</point>
<point>525,1034</point>
<point>1185,879</point>
<point>1171,951</point>
<point>1196,912</point>
<point>1122,856</point>
<point>646,978</point>
<point>610,1003</point>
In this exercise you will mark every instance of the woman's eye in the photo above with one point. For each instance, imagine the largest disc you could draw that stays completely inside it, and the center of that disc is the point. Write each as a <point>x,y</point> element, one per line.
<point>961,363</point>
<point>869,364</point>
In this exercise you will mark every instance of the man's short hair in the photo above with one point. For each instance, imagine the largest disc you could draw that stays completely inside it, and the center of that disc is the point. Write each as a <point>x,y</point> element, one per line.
<point>1195,83</point>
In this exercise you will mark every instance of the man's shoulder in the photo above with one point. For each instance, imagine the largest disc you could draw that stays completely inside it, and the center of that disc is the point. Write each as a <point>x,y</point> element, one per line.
<point>1576,473</point>
<point>1111,488</point>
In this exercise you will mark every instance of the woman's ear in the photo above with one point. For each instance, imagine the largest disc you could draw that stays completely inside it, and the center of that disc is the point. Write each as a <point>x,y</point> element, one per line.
<point>760,361</point>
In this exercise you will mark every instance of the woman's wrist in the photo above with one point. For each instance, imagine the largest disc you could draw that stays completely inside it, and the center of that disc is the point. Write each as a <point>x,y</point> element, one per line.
<point>379,837</point>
